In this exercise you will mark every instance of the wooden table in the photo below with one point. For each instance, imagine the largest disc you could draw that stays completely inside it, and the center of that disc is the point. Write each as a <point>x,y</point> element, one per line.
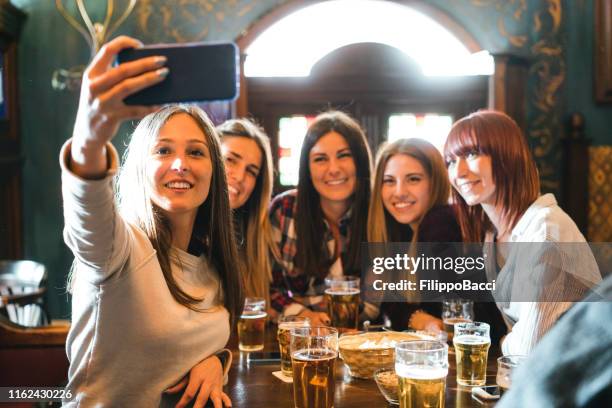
<point>255,387</point>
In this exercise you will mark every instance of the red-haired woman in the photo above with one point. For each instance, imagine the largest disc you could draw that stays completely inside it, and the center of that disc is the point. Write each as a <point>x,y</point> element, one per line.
<point>497,192</point>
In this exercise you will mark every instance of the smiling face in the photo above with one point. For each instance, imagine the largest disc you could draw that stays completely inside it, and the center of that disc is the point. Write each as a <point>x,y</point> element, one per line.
<point>242,166</point>
<point>405,190</point>
<point>179,167</point>
<point>472,176</point>
<point>332,169</point>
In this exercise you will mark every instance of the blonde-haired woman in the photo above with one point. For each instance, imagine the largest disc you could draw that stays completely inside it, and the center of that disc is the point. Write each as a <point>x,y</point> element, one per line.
<point>155,283</point>
<point>248,166</point>
<point>410,204</point>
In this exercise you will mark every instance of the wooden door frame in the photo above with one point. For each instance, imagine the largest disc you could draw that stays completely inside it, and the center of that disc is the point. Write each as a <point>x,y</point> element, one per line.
<point>247,37</point>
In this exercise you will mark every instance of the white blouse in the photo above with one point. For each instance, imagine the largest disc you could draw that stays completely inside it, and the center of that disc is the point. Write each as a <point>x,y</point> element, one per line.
<point>538,283</point>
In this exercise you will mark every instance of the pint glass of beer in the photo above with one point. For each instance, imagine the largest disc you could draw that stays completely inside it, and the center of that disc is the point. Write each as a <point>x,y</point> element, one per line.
<point>456,311</point>
<point>313,357</point>
<point>285,324</point>
<point>505,366</point>
<point>472,342</point>
<point>422,367</point>
<point>252,325</point>
<point>342,296</point>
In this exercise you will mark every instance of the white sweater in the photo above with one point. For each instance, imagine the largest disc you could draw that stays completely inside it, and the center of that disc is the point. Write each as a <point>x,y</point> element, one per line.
<point>541,278</point>
<point>130,340</point>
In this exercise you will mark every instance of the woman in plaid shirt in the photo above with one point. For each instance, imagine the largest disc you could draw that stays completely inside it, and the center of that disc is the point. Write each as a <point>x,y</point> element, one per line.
<point>319,227</point>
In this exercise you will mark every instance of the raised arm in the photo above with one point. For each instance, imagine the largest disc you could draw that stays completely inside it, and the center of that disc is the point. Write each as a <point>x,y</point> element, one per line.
<point>95,233</point>
<point>101,108</point>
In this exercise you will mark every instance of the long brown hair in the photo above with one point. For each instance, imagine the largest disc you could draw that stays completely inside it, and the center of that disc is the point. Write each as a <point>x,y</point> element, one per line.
<point>515,174</point>
<point>312,257</point>
<point>213,225</point>
<point>258,242</point>
<point>381,224</point>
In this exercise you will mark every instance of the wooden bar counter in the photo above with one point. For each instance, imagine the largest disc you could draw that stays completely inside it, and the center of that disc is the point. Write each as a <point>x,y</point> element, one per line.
<point>254,386</point>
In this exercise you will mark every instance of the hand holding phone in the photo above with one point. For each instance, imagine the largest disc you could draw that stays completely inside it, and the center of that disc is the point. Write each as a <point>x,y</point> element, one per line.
<point>198,72</point>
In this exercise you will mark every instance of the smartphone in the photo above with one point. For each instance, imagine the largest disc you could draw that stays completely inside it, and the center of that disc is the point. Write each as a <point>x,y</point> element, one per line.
<point>263,358</point>
<point>486,393</point>
<point>199,72</point>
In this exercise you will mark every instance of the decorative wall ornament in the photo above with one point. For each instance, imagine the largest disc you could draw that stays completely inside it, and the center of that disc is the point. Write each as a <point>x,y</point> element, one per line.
<point>95,33</point>
<point>182,20</point>
<point>546,76</point>
<point>546,79</point>
<point>512,10</point>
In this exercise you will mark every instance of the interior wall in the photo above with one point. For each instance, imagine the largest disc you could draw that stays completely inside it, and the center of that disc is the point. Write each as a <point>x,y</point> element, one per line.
<point>553,34</point>
<point>580,68</point>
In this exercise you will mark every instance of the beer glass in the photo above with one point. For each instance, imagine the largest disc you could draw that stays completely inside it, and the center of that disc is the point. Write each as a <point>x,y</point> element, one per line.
<point>342,296</point>
<point>456,311</point>
<point>505,366</point>
<point>313,357</point>
<point>422,367</point>
<point>252,324</point>
<point>285,324</point>
<point>472,342</point>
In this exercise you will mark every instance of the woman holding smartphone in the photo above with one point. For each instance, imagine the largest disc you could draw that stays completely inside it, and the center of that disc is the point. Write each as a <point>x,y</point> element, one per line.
<point>318,228</point>
<point>497,191</point>
<point>154,282</point>
<point>248,166</point>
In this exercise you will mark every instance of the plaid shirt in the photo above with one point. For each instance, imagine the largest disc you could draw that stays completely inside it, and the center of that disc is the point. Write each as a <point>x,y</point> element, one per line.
<point>288,282</point>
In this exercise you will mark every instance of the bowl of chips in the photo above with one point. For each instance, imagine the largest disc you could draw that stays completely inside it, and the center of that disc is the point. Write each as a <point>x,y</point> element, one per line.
<point>365,353</point>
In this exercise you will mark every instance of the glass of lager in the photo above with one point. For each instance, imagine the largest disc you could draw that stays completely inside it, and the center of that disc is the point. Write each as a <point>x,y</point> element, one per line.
<point>422,367</point>
<point>342,297</point>
<point>456,311</point>
<point>313,357</point>
<point>285,324</point>
<point>252,324</point>
<point>505,365</point>
<point>472,342</point>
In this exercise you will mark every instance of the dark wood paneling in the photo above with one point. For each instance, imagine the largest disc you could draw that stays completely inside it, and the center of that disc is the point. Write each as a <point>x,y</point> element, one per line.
<point>603,51</point>
<point>11,160</point>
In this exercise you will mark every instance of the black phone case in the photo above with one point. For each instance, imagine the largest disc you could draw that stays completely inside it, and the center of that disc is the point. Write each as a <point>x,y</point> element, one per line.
<point>199,72</point>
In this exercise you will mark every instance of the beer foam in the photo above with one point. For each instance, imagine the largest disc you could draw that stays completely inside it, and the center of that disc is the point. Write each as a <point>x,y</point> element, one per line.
<point>342,292</point>
<point>313,354</point>
<point>420,372</point>
<point>292,325</point>
<point>253,315</point>
<point>471,339</point>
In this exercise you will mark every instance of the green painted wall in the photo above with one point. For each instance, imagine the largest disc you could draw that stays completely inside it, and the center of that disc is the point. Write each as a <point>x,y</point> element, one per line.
<point>580,34</point>
<point>48,43</point>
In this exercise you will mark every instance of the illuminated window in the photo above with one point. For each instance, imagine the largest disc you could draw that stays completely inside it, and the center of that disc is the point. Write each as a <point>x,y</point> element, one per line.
<point>430,126</point>
<point>291,133</point>
<point>294,44</point>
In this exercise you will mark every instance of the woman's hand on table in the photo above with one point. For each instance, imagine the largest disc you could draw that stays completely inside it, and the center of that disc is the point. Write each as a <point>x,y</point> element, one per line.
<point>204,381</point>
<point>316,318</point>
<point>421,320</point>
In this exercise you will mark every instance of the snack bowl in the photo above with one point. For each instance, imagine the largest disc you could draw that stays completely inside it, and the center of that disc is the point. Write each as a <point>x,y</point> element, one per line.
<point>388,384</point>
<point>364,353</point>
